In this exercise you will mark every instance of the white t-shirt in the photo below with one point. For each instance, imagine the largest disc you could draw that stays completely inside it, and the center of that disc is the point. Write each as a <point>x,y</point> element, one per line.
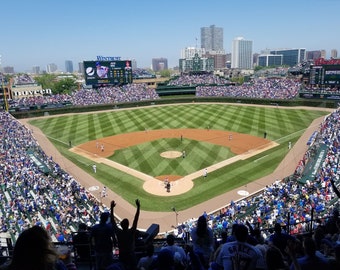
<point>240,256</point>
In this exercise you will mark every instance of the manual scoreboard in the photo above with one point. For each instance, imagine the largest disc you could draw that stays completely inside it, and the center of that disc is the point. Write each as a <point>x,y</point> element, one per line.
<point>327,75</point>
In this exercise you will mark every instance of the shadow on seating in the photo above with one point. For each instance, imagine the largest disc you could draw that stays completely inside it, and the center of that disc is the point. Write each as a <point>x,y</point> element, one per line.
<point>83,250</point>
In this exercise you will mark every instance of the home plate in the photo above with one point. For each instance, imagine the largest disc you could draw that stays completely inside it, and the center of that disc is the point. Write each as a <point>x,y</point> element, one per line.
<point>243,192</point>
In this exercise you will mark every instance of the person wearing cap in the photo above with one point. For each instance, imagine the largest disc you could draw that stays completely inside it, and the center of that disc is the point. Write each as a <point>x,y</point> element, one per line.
<point>101,70</point>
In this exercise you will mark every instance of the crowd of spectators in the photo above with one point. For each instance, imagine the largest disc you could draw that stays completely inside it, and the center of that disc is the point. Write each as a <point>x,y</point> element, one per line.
<point>200,79</point>
<point>289,198</point>
<point>57,202</point>
<point>85,97</point>
<point>141,73</point>
<point>257,88</point>
<point>24,79</point>
<point>29,196</point>
<point>290,204</point>
<point>207,85</point>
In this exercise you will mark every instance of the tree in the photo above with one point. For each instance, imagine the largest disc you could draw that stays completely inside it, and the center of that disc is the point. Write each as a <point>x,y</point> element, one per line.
<point>65,86</point>
<point>165,73</point>
<point>46,81</point>
<point>239,80</point>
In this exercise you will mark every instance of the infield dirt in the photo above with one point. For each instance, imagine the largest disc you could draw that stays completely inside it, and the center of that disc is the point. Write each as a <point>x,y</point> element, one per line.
<point>243,145</point>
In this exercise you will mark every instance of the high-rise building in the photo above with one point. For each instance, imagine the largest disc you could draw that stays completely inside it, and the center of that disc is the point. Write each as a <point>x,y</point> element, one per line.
<point>334,53</point>
<point>242,51</point>
<point>159,64</point>
<point>133,63</point>
<point>313,55</point>
<point>212,44</point>
<point>36,70</point>
<point>255,59</point>
<point>212,38</point>
<point>228,60</point>
<point>50,68</point>
<point>69,66</point>
<point>8,70</point>
<point>269,60</point>
<point>291,57</point>
<point>81,67</point>
<point>220,59</point>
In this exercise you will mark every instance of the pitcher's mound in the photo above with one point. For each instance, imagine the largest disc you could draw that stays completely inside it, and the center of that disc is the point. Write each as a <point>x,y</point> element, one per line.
<point>171,154</point>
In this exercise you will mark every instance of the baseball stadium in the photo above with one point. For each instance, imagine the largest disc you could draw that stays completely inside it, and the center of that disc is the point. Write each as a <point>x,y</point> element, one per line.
<point>218,150</point>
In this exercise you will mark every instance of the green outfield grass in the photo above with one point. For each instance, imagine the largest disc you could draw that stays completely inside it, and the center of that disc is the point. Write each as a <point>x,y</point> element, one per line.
<point>281,125</point>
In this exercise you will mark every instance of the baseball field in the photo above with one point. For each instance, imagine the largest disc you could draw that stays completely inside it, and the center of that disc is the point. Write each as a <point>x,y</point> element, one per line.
<point>136,150</point>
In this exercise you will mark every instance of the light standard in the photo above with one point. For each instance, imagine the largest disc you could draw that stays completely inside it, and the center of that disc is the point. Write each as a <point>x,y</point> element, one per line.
<point>4,92</point>
<point>174,209</point>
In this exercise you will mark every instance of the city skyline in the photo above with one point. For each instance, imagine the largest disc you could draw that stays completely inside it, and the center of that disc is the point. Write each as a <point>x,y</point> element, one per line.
<point>45,32</point>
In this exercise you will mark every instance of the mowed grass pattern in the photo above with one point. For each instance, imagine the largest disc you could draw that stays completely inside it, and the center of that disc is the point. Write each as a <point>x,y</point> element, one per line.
<point>281,125</point>
<point>146,157</point>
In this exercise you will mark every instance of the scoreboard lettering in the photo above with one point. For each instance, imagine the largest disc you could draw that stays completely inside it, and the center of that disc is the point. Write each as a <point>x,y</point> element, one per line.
<point>107,72</point>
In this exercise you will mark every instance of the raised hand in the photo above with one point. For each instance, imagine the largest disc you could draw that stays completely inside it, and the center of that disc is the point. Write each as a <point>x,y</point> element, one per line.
<point>137,203</point>
<point>113,204</point>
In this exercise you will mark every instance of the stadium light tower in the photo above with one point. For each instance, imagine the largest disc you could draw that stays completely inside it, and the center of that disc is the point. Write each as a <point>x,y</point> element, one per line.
<point>2,86</point>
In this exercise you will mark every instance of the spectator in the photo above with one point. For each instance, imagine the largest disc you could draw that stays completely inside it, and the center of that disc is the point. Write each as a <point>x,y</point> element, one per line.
<point>34,250</point>
<point>224,237</point>
<point>239,254</point>
<point>180,257</point>
<point>280,239</point>
<point>202,240</point>
<point>103,240</point>
<point>231,237</point>
<point>126,238</point>
<point>310,261</point>
<point>194,261</point>
<point>331,224</point>
<point>164,261</point>
<point>147,261</point>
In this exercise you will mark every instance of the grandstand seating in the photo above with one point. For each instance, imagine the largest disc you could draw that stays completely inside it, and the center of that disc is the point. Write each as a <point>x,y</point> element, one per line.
<point>30,196</point>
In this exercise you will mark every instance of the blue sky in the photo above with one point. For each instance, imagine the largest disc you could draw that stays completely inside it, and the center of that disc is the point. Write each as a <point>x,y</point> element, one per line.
<point>39,32</point>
